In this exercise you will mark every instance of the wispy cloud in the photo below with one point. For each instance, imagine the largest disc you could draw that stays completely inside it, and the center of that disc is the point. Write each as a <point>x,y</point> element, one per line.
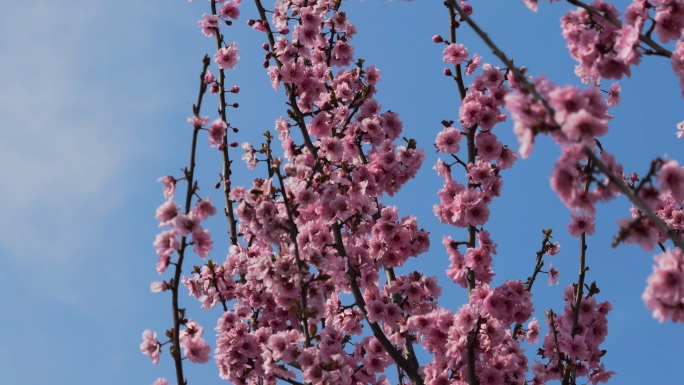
<point>65,136</point>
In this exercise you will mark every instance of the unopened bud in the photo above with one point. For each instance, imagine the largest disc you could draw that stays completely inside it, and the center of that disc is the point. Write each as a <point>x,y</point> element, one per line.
<point>447,72</point>
<point>221,146</point>
<point>234,144</point>
<point>235,89</point>
<point>217,185</point>
<point>250,22</point>
<point>468,9</point>
<point>437,39</point>
<point>266,64</point>
<point>285,31</point>
<point>235,105</point>
<point>265,46</point>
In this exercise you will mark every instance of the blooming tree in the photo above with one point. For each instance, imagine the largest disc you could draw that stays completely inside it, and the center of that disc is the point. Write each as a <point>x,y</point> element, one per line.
<point>312,288</point>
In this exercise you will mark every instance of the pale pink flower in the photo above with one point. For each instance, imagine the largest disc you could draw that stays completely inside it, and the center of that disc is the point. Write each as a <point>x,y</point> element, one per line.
<point>202,242</point>
<point>150,346</point>
<point>169,185</point>
<point>448,140</point>
<point>198,121</point>
<point>227,57</point>
<point>197,351</point>
<point>533,329</point>
<point>204,209</point>
<point>473,64</point>
<point>185,224</point>
<point>553,275</point>
<point>167,242</point>
<point>158,286</point>
<point>160,381</point>
<point>680,129</point>
<point>209,24</point>
<point>166,212</point>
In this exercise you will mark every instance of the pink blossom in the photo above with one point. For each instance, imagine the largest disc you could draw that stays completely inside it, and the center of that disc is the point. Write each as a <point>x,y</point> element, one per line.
<point>198,121</point>
<point>202,243</point>
<point>455,54</point>
<point>229,10</point>
<point>671,177</point>
<point>664,294</point>
<point>553,275</point>
<point>160,381</point>
<point>169,185</point>
<point>197,351</point>
<point>185,224</point>
<point>217,131</point>
<point>150,346</point>
<point>204,209</point>
<point>209,24</point>
<point>166,212</point>
<point>167,242</point>
<point>581,224</point>
<point>614,95</point>
<point>584,127</point>
<point>163,263</point>
<point>227,57</point>
<point>158,286</point>
<point>209,77</point>
<point>533,329</point>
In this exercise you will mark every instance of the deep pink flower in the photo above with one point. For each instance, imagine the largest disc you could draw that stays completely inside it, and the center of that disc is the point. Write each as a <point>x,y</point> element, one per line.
<point>217,131</point>
<point>455,54</point>
<point>229,10</point>
<point>671,177</point>
<point>614,95</point>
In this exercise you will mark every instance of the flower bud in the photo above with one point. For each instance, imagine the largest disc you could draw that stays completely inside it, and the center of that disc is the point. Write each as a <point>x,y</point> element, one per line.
<point>447,72</point>
<point>437,39</point>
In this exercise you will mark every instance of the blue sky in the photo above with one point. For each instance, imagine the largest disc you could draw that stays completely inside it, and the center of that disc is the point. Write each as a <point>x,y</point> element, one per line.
<point>92,111</point>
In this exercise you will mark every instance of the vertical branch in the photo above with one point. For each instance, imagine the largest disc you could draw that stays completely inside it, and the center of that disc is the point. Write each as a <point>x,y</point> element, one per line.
<point>192,186</point>
<point>230,215</point>
<point>292,231</point>
<point>470,242</point>
<point>410,369</point>
<point>537,268</point>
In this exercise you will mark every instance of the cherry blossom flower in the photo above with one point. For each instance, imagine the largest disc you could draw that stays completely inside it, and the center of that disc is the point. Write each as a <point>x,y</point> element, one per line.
<point>150,346</point>
<point>227,57</point>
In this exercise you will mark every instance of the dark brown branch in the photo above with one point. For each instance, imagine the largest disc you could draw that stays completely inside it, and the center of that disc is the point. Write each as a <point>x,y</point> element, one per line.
<point>189,175</point>
<point>672,235</point>
<point>646,39</point>
<point>228,209</point>
<point>410,369</point>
